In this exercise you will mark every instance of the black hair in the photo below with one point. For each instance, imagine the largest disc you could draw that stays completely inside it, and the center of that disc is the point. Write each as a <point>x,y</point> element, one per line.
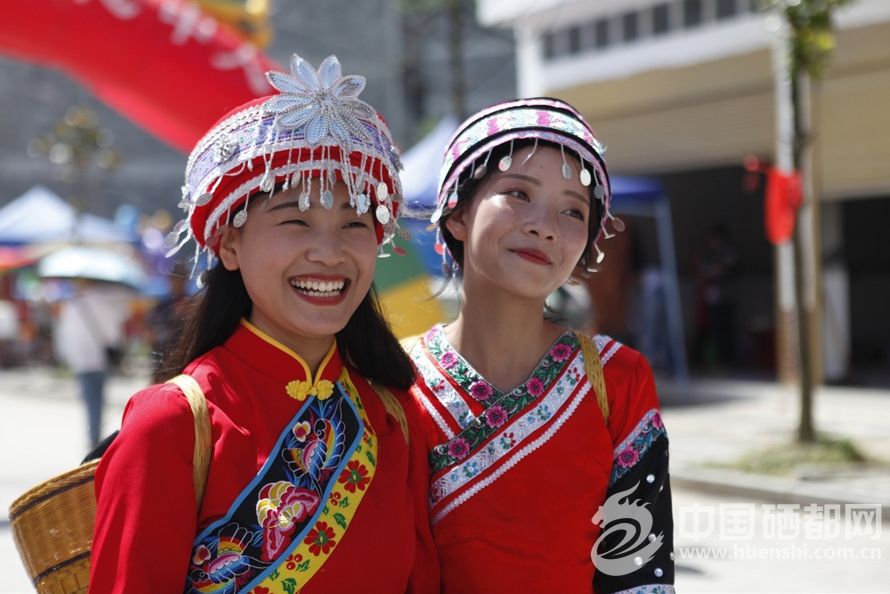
<point>366,343</point>
<point>468,188</point>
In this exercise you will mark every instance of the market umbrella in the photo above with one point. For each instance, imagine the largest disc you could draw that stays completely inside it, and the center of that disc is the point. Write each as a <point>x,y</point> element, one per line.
<point>94,264</point>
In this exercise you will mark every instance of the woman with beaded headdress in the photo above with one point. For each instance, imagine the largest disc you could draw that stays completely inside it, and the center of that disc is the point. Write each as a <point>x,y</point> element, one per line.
<point>547,451</point>
<point>317,481</point>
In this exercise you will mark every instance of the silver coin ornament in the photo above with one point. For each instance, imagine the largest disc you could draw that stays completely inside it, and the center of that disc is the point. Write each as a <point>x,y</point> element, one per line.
<point>617,224</point>
<point>382,192</point>
<point>452,199</point>
<point>382,214</point>
<point>585,178</point>
<point>239,219</point>
<point>505,163</point>
<point>480,172</point>
<point>566,171</point>
<point>204,199</point>
<point>599,192</point>
<point>303,202</point>
<point>437,214</point>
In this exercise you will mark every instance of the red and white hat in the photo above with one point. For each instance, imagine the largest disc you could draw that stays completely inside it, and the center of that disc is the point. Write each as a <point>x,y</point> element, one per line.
<point>316,130</point>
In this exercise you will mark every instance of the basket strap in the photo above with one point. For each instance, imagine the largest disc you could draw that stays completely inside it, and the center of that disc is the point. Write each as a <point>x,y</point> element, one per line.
<point>594,367</point>
<point>203,443</point>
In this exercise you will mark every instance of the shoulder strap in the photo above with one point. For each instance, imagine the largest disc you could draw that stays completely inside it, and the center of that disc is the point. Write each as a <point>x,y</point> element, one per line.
<point>594,368</point>
<point>392,407</point>
<point>203,444</point>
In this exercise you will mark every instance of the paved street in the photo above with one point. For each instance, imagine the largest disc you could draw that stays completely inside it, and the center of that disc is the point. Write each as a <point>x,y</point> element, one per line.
<point>43,427</point>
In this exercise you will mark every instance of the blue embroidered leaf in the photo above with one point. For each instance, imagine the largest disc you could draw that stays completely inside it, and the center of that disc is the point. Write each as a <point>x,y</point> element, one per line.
<point>345,503</point>
<point>371,458</point>
<point>340,519</point>
<point>289,585</point>
<point>303,566</point>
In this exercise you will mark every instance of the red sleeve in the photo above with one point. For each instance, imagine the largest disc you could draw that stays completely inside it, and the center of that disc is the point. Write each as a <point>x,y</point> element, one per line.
<point>146,517</point>
<point>425,575</point>
<point>630,386</point>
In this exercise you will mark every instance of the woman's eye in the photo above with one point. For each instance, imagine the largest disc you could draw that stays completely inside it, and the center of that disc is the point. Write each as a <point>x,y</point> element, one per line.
<point>357,225</point>
<point>517,194</point>
<point>299,222</point>
<point>575,213</point>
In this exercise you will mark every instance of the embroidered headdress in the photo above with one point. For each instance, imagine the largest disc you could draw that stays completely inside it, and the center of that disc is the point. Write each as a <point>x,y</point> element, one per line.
<point>540,119</point>
<point>316,130</point>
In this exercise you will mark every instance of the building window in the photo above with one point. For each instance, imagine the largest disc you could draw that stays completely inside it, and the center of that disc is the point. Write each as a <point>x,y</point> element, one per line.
<point>601,33</point>
<point>692,13</point>
<point>549,41</point>
<point>661,22</point>
<point>629,26</point>
<point>574,40</point>
<point>726,9</point>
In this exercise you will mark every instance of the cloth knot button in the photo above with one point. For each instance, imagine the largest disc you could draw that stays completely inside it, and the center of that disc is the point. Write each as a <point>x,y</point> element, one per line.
<point>300,389</point>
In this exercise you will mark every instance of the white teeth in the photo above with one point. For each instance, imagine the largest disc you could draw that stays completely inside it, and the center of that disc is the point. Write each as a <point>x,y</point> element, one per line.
<point>318,288</point>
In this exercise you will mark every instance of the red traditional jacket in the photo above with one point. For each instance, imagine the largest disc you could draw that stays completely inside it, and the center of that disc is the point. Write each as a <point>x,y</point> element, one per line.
<point>517,477</point>
<point>316,485</point>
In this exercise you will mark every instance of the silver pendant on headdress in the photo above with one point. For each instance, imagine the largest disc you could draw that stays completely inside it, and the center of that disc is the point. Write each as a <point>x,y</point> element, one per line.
<point>362,204</point>
<point>327,199</point>
<point>224,148</point>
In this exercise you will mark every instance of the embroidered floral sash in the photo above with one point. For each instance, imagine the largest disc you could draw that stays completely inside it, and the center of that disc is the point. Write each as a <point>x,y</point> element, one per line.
<point>287,522</point>
<point>482,447</point>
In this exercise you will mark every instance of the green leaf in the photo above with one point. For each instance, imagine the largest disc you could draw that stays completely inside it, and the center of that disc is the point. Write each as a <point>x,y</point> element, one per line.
<point>326,511</point>
<point>289,585</point>
<point>274,575</point>
<point>345,503</point>
<point>340,519</point>
<point>303,566</point>
<point>371,458</point>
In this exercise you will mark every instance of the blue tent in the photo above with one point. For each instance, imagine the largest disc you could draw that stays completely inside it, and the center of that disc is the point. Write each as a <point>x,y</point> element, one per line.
<point>40,216</point>
<point>638,196</point>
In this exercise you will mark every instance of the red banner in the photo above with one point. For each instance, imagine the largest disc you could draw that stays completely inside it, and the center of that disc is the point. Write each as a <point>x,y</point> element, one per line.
<point>164,64</point>
<point>783,198</point>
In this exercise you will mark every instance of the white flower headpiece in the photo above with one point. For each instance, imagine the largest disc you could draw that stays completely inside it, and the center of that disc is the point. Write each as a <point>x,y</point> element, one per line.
<point>316,128</point>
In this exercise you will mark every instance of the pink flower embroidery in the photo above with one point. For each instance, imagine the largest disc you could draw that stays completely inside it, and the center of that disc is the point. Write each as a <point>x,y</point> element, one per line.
<point>656,421</point>
<point>458,448</point>
<point>448,360</point>
<point>535,386</point>
<point>480,390</point>
<point>561,352</point>
<point>496,416</point>
<point>628,457</point>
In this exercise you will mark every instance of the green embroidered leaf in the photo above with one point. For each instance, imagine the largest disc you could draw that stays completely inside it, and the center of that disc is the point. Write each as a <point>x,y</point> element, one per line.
<point>289,585</point>
<point>340,519</point>
<point>371,458</point>
<point>303,566</point>
<point>345,503</point>
<point>274,575</point>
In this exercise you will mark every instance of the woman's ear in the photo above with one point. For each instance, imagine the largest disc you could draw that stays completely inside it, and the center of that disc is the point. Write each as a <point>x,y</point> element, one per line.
<point>457,225</point>
<point>229,243</point>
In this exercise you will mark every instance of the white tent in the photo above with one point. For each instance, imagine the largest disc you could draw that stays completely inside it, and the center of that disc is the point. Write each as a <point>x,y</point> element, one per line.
<point>39,215</point>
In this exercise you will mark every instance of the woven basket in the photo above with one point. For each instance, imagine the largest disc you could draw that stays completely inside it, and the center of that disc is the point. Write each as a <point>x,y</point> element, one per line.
<point>52,525</point>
